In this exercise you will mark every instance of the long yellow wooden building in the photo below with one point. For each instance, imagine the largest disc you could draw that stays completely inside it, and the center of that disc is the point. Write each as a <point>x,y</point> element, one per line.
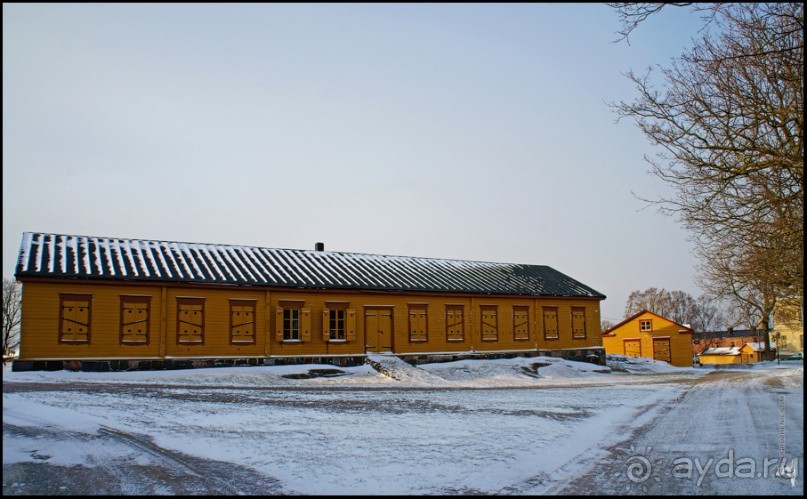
<point>111,299</point>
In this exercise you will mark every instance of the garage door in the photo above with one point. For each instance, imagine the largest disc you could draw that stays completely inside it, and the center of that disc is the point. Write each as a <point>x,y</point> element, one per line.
<point>633,348</point>
<point>661,349</point>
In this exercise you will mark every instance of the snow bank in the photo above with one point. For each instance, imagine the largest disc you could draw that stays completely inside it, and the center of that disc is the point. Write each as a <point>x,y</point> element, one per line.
<point>643,365</point>
<point>383,371</point>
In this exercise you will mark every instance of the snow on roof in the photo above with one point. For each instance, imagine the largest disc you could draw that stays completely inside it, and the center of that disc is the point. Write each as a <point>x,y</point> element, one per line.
<point>721,351</point>
<point>69,256</point>
<point>759,346</point>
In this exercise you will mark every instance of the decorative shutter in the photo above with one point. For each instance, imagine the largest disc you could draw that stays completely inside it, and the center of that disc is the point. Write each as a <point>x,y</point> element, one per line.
<point>279,323</point>
<point>236,322</point>
<point>143,317</point>
<point>248,324</point>
<point>305,325</point>
<point>350,334</point>
<point>326,316</point>
<point>82,320</point>
<point>521,323</point>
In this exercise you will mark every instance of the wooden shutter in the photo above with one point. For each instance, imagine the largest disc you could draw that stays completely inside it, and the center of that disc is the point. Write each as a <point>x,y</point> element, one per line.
<point>578,322</point>
<point>190,321</point>
<point>279,323</point>
<point>350,334</point>
<point>249,323</point>
<point>134,320</point>
<point>490,328</point>
<point>521,323</point>
<point>550,323</point>
<point>75,319</point>
<point>417,323</point>
<point>326,319</point>
<point>454,324</point>
<point>242,322</point>
<point>305,325</point>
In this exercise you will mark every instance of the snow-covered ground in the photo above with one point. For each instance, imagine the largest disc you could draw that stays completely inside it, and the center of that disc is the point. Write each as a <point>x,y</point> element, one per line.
<point>537,425</point>
<point>519,372</point>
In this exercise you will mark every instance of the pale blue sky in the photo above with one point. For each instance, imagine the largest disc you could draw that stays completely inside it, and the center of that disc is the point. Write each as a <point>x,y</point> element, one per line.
<point>463,131</point>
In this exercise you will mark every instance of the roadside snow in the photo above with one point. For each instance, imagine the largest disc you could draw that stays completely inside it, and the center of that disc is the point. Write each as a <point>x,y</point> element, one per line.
<point>517,372</point>
<point>642,365</point>
<point>507,426</point>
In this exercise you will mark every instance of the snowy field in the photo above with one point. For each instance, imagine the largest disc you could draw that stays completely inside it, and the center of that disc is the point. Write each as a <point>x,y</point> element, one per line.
<point>513,426</point>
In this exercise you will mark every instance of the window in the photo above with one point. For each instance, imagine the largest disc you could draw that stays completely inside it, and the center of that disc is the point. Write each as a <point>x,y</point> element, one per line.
<point>292,321</point>
<point>490,325</point>
<point>242,322</point>
<point>338,322</point>
<point>75,312</point>
<point>418,323</point>
<point>521,323</point>
<point>190,321</point>
<point>578,322</point>
<point>646,325</point>
<point>134,320</point>
<point>454,323</point>
<point>291,324</point>
<point>550,323</point>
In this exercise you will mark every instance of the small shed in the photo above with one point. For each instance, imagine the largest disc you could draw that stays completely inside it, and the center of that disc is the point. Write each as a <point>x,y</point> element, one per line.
<point>721,355</point>
<point>754,351</point>
<point>647,334</point>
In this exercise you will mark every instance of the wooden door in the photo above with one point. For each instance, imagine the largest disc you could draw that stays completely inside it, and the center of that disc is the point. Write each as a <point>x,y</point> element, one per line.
<point>378,329</point>
<point>661,349</point>
<point>632,347</point>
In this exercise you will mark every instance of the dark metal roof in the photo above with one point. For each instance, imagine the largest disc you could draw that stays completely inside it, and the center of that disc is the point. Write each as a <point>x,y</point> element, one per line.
<point>87,257</point>
<point>736,333</point>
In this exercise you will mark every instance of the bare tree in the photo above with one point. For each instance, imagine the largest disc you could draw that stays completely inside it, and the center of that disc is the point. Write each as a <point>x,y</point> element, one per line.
<point>633,14</point>
<point>652,299</point>
<point>702,314</point>
<point>730,127</point>
<point>606,325</point>
<point>743,278</point>
<point>683,307</point>
<point>12,315</point>
<point>711,315</point>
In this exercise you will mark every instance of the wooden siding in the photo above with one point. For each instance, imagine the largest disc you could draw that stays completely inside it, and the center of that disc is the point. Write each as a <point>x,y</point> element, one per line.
<point>720,359</point>
<point>39,338</point>
<point>628,339</point>
<point>748,354</point>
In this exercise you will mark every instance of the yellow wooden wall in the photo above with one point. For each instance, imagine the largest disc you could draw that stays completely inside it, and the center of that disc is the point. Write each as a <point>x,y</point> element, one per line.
<point>680,343</point>
<point>720,359</point>
<point>39,338</point>
<point>39,334</point>
<point>217,323</point>
<point>748,354</point>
